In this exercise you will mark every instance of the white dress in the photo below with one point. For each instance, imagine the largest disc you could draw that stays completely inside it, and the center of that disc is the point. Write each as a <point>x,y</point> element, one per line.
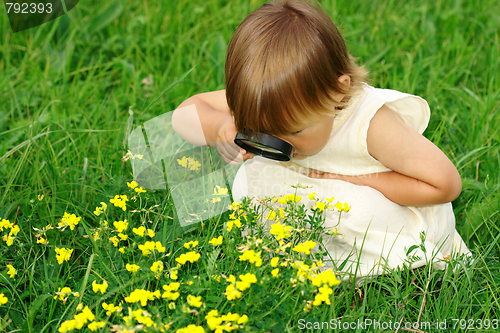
<point>376,231</point>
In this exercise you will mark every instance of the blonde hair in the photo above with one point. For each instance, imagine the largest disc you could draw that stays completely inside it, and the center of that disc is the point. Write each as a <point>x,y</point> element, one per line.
<point>283,63</point>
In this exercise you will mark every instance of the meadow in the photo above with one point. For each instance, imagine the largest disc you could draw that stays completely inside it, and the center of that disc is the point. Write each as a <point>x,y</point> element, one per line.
<point>72,217</point>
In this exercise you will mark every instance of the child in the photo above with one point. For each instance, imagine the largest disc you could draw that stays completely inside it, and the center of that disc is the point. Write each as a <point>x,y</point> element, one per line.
<point>289,74</point>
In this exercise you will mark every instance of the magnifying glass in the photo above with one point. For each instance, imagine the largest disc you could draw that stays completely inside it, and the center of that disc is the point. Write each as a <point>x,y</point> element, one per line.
<point>265,145</point>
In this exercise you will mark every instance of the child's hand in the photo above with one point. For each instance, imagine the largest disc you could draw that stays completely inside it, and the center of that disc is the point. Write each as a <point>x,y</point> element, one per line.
<point>230,151</point>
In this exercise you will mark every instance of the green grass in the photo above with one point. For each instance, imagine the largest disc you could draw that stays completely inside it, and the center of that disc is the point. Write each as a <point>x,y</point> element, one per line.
<point>66,88</point>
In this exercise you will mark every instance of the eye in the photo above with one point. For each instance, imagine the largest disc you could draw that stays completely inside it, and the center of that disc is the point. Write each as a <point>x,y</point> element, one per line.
<point>297,132</point>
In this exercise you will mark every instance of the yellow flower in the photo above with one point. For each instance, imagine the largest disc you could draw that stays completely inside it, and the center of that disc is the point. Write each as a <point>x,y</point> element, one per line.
<point>274,261</point>
<point>216,241</point>
<point>326,277</point>
<point>115,240</point>
<point>63,293</point>
<point>140,190</point>
<point>194,301</point>
<point>280,230</point>
<point>189,163</point>
<point>111,308</point>
<point>63,254</point>
<point>132,268</point>
<point>141,295</point>
<point>139,231</point>
<point>271,216</point>
<point>133,184</point>
<point>319,205</point>
<point>171,291</point>
<point>191,329</point>
<point>42,240</point>
<point>12,271</point>
<point>68,221</point>
<point>305,247</point>
<point>99,287</point>
<point>290,197</point>
<point>275,272</point>
<point>3,299</point>
<point>311,195</point>
<point>160,248</point>
<point>121,250</point>
<point>232,292</point>
<point>120,201</point>
<point>219,191</point>
<point>95,325</point>
<point>99,210</point>
<point>252,257</point>
<point>246,281</point>
<point>151,233</point>
<point>341,208</point>
<point>121,226</point>
<point>157,267</point>
<point>230,224</point>
<point>122,236</point>
<point>190,256</point>
<point>190,244</point>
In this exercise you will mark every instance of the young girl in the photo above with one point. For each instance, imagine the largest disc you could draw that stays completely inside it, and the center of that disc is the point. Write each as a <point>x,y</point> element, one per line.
<point>289,74</point>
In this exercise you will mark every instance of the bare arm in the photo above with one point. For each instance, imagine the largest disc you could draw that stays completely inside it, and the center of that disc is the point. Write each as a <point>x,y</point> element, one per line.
<point>199,117</point>
<point>422,174</point>
<point>204,120</point>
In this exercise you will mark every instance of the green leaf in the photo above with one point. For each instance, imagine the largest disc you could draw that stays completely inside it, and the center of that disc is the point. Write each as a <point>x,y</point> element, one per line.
<point>35,306</point>
<point>104,18</point>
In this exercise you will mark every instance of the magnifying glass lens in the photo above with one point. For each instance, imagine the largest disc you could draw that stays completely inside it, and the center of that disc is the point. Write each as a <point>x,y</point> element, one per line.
<point>265,145</point>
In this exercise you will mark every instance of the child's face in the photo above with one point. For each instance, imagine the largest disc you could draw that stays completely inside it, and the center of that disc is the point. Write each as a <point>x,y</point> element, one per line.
<point>313,137</point>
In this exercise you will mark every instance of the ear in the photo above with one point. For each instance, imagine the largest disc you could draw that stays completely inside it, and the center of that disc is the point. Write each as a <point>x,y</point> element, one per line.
<point>345,80</point>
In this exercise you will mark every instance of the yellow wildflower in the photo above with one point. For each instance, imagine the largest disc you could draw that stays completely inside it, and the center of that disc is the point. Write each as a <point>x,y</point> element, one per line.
<point>68,221</point>
<point>120,201</point>
<point>142,296</point>
<point>115,240</point>
<point>12,271</point>
<point>274,261</point>
<point>132,268</point>
<point>95,325</point>
<point>281,231</point>
<point>191,328</point>
<point>99,210</point>
<point>252,257</point>
<point>63,293</point>
<point>194,301</point>
<point>99,287</point>
<point>189,163</point>
<point>133,184</point>
<point>305,247</point>
<point>341,208</point>
<point>190,244</point>
<point>111,308</point>
<point>190,256</point>
<point>230,224</point>
<point>139,231</point>
<point>63,254</point>
<point>121,226</point>
<point>151,233</point>
<point>3,299</point>
<point>219,191</point>
<point>290,197</point>
<point>216,241</point>
<point>157,267</point>
<point>275,272</point>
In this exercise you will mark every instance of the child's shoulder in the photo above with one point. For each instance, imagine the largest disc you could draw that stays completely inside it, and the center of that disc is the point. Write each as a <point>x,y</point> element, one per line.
<point>413,109</point>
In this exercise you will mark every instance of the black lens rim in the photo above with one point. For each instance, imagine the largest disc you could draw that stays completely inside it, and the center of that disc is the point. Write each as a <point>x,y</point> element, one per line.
<point>285,149</point>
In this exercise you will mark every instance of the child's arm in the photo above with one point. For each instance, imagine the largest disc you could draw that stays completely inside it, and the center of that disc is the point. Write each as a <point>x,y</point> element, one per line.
<point>422,174</point>
<point>204,119</point>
